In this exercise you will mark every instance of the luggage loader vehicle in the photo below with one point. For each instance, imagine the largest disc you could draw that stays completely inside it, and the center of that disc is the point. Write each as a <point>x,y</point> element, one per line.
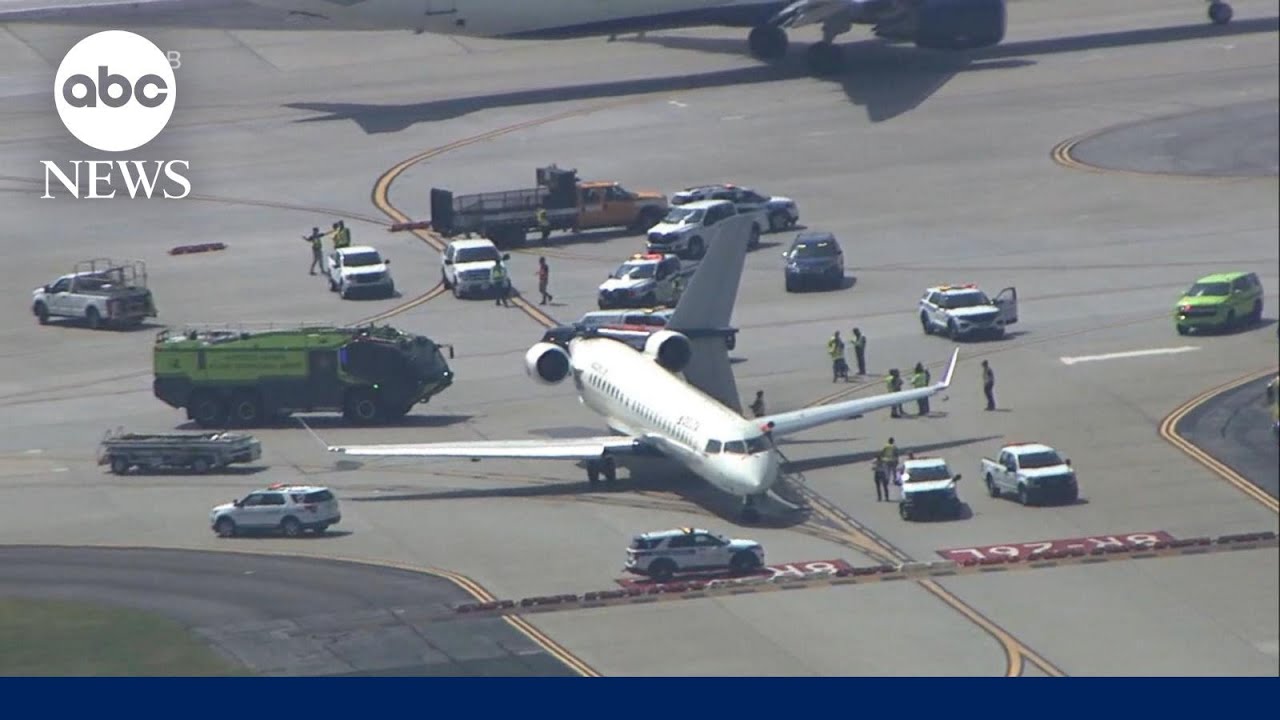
<point>229,377</point>
<point>197,452</point>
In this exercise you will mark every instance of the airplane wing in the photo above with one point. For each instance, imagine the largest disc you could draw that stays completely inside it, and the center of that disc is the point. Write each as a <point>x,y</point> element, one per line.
<point>588,448</point>
<point>791,422</point>
<point>707,304</point>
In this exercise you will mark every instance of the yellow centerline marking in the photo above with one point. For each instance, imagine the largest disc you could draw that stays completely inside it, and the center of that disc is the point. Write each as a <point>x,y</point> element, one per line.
<point>1169,431</point>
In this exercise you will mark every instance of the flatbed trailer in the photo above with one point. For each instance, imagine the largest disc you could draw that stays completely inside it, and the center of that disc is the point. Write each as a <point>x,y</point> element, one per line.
<point>198,452</point>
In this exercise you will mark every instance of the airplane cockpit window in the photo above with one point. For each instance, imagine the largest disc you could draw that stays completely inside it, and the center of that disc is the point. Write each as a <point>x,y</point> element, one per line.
<point>713,447</point>
<point>737,447</point>
<point>757,445</point>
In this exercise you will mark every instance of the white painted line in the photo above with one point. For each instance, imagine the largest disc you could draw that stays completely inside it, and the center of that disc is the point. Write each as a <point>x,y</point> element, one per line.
<point>32,452</point>
<point>677,103</point>
<point>1129,354</point>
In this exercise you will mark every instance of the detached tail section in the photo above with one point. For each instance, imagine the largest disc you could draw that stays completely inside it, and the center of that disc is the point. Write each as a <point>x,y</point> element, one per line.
<point>707,304</point>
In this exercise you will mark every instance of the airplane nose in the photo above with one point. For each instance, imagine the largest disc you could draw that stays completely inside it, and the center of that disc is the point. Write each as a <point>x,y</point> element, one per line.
<point>765,471</point>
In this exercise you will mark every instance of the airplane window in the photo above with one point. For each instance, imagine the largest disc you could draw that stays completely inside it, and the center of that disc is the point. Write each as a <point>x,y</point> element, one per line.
<point>737,447</point>
<point>757,444</point>
<point>713,446</point>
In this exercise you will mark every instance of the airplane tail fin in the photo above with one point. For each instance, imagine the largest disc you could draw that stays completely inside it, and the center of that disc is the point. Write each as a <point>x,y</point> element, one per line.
<point>707,305</point>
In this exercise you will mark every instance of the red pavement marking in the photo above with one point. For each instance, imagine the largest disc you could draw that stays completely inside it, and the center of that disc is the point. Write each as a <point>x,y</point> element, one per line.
<point>1033,550</point>
<point>797,570</point>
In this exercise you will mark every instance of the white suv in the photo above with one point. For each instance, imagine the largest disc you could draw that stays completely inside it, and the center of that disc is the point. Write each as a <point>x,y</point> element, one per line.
<point>964,310</point>
<point>466,266</point>
<point>781,213</point>
<point>360,269</point>
<point>288,509</point>
<point>662,554</point>
<point>689,229</point>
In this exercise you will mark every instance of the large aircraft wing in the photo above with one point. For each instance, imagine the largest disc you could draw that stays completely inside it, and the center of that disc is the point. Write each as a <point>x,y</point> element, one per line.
<point>589,448</point>
<point>707,305</point>
<point>797,420</point>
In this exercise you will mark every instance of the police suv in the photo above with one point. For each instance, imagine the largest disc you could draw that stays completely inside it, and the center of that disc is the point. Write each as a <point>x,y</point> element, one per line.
<point>283,508</point>
<point>780,213</point>
<point>662,554</point>
<point>644,280</point>
<point>928,489</point>
<point>964,311</point>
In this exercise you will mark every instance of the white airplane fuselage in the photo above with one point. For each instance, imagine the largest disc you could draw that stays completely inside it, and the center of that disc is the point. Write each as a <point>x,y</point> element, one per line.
<point>514,18</point>
<point>639,398</point>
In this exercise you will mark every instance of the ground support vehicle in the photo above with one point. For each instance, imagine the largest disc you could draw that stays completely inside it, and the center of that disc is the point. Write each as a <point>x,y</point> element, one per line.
<point>1033,472</point>
<point>570,204</point>
<point>197,452</point>
<point>101,292</point>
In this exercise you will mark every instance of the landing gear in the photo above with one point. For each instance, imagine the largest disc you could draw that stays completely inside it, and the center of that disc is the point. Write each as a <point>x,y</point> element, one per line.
<point>1219,12</point>
<point>749,512</point>
<point>825,58</point>
<point>605,466</point>
<point>768,42</point>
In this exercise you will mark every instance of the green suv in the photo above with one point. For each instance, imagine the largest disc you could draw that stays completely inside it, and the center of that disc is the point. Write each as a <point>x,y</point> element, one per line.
<point>1221,301</point>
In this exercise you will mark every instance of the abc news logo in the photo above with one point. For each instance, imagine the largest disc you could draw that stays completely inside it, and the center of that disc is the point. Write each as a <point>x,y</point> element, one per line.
<point>115,92</point>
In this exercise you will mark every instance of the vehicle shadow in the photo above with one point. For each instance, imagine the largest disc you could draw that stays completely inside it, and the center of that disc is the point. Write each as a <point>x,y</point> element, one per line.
<point>966,513</point>
<point>245,534</point>
<point>83,324</point>
<point>1237,329</point>
<point>229,471</point>
<point>323,422</point>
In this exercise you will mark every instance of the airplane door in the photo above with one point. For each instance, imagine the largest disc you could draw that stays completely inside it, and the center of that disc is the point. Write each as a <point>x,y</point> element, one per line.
<point>1007,301</point>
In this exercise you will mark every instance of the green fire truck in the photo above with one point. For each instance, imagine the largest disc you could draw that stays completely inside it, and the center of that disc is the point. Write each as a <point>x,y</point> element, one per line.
<point>232,377</point>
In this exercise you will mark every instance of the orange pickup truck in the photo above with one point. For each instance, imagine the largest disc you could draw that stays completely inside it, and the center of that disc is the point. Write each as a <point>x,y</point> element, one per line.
<point>506,217</point>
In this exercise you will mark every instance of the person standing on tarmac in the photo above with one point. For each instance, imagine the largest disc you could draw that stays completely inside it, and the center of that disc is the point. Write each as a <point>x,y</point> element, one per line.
<point>317,249</point>
<point>341,235</point>
<point>501,285</point>
<point>860,350</point>
<point>544,224</point>
<point>894,384</point>
<point>919,379</point>
<point>757,407</point>
<point>544,273</point>
<point>989,385</point>
<point>839,368</point>
<point>886,469</point>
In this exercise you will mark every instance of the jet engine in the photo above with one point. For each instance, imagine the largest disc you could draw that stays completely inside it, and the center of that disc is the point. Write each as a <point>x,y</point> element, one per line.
<point>959,24</point>
<point>547,363</point>
<point>669,349</point>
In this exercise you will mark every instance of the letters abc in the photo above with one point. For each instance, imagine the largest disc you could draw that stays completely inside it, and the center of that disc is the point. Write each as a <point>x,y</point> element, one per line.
<point>115,92</point>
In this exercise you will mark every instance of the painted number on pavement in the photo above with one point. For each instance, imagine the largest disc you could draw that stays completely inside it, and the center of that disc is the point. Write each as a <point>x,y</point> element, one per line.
<point>1029,550</point>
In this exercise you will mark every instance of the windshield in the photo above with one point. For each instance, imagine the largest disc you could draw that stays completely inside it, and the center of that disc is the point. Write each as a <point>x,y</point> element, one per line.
<point>964,300</point>
<point>678,214</point>
<point>813,250</point>
<point>1213,289</point>
<point>926,473</point>
<point>635,271</point>
<point>757,444</point>
<point>476,254</point>
<point>1031,461</point>
<point>361,259</point>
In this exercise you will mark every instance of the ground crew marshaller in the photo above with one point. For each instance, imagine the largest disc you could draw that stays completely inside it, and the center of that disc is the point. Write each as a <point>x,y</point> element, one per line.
<point>757,407</point>
<point>544,224</point>
<point>501,288</point>
<point>839,368</point>
<point>317,250</point>
<point>894,384</point>
<point>544,273</point>
<point>341,235</point>
<point>989,385</point>
<point>860,350</point>
<point>919,379</point>
<point>886,468</point>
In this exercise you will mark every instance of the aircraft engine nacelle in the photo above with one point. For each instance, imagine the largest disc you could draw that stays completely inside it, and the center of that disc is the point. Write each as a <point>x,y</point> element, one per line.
<point>959,24</point>
<point>669,349</point>
<point>547,363</point>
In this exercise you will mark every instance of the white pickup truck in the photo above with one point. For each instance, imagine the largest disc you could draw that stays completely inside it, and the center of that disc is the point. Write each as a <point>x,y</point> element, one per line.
<point>101,292</point>
<point>1033,472</point>
<point>688,230</point>
<point>360,269</point>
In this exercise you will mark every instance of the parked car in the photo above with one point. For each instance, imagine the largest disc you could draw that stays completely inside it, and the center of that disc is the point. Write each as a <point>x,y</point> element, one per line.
<point>282,508</point>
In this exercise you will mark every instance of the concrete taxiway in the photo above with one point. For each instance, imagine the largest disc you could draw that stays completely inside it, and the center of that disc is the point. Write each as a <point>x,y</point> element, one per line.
<point>930,168</point>
<point>1235,428</point>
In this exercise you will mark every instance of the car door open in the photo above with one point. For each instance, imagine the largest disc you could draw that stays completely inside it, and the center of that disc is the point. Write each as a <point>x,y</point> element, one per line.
<point>1007,301</point>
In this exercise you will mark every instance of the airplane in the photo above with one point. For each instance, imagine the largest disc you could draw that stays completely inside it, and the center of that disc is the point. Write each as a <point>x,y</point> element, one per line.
<point>932,24</point>
<point>677,399</point>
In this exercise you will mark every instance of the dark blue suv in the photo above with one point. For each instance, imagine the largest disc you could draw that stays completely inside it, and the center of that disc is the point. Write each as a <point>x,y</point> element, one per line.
<point>814,259</point>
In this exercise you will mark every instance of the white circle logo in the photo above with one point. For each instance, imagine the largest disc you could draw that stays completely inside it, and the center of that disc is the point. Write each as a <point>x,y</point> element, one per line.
<point>115,91</point>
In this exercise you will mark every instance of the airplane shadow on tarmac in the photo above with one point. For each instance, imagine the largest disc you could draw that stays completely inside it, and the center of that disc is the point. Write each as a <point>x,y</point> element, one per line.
<point>887,80</point>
